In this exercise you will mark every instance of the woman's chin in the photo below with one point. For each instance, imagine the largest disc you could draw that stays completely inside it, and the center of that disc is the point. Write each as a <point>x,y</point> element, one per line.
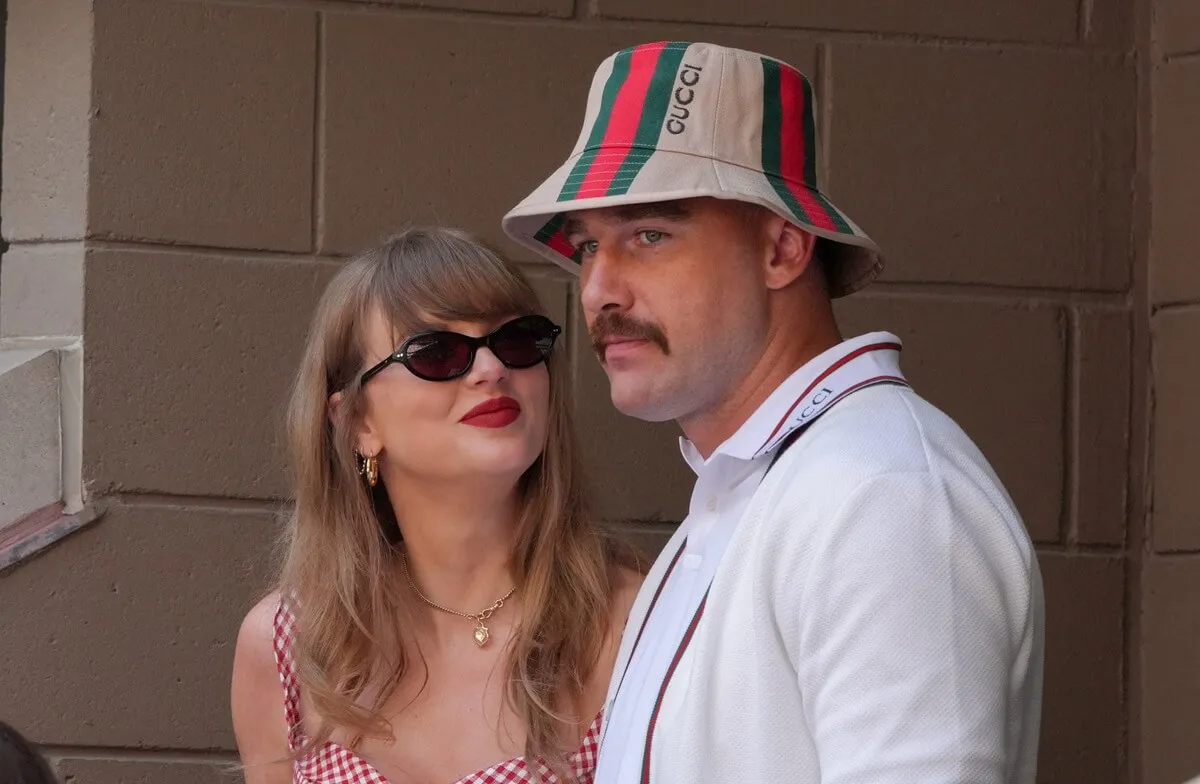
<point>493,466</point>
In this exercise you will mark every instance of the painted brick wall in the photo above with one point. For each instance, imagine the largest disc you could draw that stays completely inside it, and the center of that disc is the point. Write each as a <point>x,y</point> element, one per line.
<point>1169,634</point>
<point>221,157</point>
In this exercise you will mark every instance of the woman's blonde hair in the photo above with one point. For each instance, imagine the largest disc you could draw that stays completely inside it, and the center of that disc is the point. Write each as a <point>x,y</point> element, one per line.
<point>341,546</point>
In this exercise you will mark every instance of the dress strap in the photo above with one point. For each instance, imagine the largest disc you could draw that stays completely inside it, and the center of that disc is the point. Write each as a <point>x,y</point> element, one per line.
<point>284,630</point>
<point>583,761</point>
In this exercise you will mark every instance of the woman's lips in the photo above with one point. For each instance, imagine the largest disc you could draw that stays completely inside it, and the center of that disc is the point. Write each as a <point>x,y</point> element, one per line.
<point>496,412</point>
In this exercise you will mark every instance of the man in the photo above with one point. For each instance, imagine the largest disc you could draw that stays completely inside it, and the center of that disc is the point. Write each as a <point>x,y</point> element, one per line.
<point>852,598</point>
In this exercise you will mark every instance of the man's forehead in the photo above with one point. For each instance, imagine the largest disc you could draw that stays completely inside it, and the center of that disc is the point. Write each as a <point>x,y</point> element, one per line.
<point>581,220</point>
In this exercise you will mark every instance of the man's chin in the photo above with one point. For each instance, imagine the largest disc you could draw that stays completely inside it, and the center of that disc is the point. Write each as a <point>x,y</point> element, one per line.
<point>639,403</point>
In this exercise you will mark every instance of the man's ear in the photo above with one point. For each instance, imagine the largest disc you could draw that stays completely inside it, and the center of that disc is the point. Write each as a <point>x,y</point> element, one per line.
<point>793,253</point>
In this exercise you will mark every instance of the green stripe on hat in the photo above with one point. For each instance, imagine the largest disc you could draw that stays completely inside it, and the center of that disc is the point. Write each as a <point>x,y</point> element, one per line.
<point>835,214</point>
<point>772,138</point>
<point>620,72</point>
<point>810,160</point>
<point>551,235</point>
<point>551,227</point>
<point>654,113</point>
<point>810,134</point>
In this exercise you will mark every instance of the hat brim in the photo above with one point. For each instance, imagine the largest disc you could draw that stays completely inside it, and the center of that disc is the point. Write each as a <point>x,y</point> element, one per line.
<point>851,262</point>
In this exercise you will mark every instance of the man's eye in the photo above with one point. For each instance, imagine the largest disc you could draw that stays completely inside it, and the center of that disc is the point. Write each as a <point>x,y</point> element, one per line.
<point>588,247</point>
<point>650,236</point>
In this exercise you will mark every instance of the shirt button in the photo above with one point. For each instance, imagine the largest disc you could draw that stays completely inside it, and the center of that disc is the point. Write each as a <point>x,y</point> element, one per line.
<point>711,505</point>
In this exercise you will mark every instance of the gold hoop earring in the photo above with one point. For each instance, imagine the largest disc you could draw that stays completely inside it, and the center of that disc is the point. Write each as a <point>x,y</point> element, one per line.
<point>370,469</point>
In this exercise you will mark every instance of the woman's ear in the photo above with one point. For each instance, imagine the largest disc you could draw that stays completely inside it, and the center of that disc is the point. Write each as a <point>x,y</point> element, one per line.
<point>366,443</point>
<point>331,407</point>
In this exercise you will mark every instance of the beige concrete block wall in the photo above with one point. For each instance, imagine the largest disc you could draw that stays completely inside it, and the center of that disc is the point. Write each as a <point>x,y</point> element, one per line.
<point>236,151</point>
<point>1170,584</point>
<point>45,151</point>
<point>41,290</point>
<point>47,71</point>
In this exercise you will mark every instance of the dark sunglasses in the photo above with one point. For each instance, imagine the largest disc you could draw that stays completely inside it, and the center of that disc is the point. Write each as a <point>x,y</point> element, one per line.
<point>442,356</point>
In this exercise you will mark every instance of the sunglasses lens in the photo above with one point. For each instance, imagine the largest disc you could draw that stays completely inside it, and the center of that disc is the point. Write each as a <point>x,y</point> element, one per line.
<point>525,342</point>
<point>440,356</point>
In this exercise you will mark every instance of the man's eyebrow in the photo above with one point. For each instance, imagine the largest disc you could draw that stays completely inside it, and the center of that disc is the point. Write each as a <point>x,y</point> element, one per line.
<point>629,213</point>
<point>667,210</point>
<point>572,226</point>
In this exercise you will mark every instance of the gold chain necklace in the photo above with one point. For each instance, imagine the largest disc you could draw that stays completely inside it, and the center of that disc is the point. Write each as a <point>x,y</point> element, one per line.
<point>482,635</point>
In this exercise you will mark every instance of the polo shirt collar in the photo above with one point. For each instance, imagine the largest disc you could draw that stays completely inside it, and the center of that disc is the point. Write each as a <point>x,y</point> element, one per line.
<point>789,405</point>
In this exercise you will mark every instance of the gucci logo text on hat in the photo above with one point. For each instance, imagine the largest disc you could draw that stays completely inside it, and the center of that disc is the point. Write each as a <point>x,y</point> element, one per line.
<point>689,77</point>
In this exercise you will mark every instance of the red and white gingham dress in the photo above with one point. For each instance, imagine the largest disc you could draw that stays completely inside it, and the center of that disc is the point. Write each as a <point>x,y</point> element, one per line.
<point>336,764</point>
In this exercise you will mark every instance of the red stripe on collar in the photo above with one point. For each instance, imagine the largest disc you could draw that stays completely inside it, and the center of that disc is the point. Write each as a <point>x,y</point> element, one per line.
<point>828,371</point>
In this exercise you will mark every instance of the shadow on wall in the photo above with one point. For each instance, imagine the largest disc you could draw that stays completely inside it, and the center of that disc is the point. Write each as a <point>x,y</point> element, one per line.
<point>19,761</point>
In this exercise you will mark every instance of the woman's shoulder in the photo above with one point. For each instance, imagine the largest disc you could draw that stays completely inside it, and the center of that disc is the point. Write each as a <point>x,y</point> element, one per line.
<point>625,584</point>
<point>628,565</point>
<point>258,723</point>
<point>627,581</point>
<point>256,637</point>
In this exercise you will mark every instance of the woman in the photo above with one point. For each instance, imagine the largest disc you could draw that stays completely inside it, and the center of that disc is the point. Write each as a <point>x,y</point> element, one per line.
<point>446,612</point>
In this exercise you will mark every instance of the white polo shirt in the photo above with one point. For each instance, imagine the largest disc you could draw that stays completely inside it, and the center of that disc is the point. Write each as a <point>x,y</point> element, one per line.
<point>670,605</point>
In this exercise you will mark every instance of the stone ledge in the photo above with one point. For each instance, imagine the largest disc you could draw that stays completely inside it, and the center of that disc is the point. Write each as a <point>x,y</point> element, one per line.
<point>42,528</point>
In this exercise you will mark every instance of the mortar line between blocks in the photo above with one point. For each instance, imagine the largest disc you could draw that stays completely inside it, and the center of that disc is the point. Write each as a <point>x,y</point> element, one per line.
<point>1085,12</point>
<point>198,502</point>
<point>62,753</point>
<point>1069,523</point>
<point>414,10</point>
<point>824,79</point>
<point>318,142</point>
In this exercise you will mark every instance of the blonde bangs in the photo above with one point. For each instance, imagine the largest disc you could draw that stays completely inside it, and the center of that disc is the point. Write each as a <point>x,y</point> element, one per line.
<point>424,279</point>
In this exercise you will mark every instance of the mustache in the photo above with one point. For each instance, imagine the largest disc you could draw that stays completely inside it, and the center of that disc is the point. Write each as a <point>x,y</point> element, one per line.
<point>610,324</point>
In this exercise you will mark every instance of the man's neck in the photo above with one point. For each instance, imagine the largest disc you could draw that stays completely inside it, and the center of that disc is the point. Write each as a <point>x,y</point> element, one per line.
<point>786,352</point>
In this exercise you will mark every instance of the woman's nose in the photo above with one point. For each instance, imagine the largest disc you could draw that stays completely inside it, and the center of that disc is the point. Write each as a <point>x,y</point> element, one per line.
<point>487,368</point>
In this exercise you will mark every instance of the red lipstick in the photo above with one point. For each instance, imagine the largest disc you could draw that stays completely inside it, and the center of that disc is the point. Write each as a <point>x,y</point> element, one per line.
<point>496,412</point>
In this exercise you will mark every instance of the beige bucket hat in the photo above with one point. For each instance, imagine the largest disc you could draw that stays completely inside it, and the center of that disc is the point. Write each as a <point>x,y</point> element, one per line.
<point>676,120</point>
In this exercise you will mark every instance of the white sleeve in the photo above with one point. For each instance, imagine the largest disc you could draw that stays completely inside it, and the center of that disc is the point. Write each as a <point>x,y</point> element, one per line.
<point>914,607</point>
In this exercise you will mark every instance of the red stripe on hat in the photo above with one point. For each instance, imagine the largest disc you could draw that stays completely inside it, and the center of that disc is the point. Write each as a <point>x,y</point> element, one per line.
<point>558,242</point>
<point>626,114</point>
<point>793,146</point>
